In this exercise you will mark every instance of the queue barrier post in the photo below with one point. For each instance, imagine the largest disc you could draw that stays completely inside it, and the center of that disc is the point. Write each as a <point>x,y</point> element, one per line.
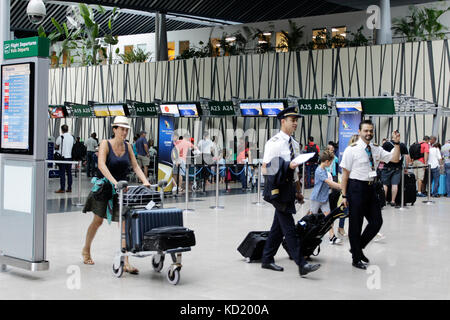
<point>258,201</point>
<point>186,188</point>
<point>402,190</point>
<point>429,201</point>
<point>217,207</point>
<point>79,204</point>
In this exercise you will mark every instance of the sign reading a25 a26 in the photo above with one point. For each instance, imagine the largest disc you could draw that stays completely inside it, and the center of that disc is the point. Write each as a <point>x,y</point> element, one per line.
<point>313,106</point>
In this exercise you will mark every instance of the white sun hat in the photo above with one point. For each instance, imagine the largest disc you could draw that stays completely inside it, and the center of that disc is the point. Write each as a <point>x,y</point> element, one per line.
<point>121,121</point>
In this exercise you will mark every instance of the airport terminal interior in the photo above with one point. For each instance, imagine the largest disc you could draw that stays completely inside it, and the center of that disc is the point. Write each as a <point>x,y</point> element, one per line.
<point>213,92</point>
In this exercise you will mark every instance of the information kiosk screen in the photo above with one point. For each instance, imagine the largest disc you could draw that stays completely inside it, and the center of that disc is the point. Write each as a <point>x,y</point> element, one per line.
<point>118,110</point>
<point>101,110</point>
<point>56,112</point>
<point>250,109</point>
<point>188,110</point>
<point>171,109</point>
<point>271,109</point>
<point>17,111</point>
<point>348,106</point>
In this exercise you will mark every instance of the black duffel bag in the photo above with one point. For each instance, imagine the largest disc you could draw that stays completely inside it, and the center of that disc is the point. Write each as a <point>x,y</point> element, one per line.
<point>165,238</point>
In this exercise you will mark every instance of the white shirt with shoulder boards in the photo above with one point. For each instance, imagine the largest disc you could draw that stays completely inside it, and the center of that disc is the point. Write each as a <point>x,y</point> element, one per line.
<point>434,157</point>
<point>278,146</point>
<point>67,145</point>
<point>356,160</point>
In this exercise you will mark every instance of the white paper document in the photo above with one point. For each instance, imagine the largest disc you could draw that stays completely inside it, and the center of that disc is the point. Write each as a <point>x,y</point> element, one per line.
<point>302,158</point>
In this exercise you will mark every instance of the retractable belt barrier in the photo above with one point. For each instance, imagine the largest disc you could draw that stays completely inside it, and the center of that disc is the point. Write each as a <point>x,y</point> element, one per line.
<point>79,204</point>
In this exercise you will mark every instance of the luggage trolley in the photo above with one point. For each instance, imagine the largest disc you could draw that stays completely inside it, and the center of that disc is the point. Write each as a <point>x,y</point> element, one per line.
<point>133,201</point>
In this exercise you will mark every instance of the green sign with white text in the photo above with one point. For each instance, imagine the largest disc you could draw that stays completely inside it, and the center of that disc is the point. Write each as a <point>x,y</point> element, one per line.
<point>221,108</point>
<point>146,109</point>
<point>25,48</point>
<point>313,106</point>
<point>81,111</point>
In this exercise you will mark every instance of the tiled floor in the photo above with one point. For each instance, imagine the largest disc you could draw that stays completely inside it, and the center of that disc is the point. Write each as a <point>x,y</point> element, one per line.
<point>411,263</point>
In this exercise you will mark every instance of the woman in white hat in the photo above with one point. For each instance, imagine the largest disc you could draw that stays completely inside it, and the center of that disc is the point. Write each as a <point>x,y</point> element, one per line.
<point>115,158</point>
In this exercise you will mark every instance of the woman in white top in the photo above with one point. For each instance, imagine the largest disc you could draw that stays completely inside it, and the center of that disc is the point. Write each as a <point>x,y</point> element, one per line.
<point>435,161</point>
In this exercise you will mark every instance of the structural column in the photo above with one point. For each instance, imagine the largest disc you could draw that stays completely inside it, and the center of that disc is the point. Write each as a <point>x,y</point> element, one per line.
<point>4,25</point>
<point>157,36</point>
<point>163,53</point>
<point>384,34</point>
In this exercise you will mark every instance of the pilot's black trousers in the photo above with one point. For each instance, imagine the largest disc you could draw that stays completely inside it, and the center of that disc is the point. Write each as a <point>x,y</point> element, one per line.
<point>363,203</point>
<point>283,225</point>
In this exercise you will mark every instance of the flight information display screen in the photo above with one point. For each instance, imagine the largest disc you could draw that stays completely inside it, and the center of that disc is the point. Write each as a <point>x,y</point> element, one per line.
<point>171,109</point>
<point>101,111</point>
<point>188,110</point>
<point>56,112</point>
<point>272,109</point>
<point>348,106</point>
<point>250,109</point>
<point>17,109</point>
<point>117,110</point>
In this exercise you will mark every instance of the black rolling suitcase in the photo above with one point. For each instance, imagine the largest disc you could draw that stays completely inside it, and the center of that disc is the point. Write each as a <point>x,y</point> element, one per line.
<point>253,245</point>
<point>410,191</point>
<point>165,238</point>
<point>139,221</point>
<point>311,229</point>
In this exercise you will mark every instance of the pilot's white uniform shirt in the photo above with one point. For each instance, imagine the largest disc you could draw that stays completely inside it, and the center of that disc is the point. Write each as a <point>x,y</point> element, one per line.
<point>278,146</point>
<point>356,160</point>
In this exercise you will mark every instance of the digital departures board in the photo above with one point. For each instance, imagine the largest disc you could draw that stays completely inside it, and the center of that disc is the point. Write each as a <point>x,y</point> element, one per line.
<point>16,110</point>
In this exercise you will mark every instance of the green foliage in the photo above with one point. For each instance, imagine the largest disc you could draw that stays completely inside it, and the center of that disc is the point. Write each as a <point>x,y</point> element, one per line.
<point>135,56</point>
<point>358,39</point>
<point>421,24</point>
<point>291,39</point>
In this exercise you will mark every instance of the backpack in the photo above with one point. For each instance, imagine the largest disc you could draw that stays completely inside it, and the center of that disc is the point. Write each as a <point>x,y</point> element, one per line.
<point>414,151</point>
<point>313,149</point>
<point>78,151</point>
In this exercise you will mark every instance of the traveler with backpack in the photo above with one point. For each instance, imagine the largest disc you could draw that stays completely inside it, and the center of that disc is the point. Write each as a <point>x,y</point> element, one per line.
<point>312,164</point>
<point>64,145</point>
<point>419,153</point>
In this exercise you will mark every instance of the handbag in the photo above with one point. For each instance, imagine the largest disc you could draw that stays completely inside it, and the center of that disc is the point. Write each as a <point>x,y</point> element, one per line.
<point>58,154</point>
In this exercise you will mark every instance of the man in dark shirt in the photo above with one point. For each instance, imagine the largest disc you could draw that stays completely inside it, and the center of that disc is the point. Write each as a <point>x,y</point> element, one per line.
<point>391,173</point>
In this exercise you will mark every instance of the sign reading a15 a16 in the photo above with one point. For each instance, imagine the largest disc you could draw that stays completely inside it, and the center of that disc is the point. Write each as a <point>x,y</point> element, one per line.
<point>313,106</point>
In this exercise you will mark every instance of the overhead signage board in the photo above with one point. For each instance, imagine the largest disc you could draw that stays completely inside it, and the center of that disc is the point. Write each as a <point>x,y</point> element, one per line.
<point>272,108</point>
<point>189,110</point>
<point>17,108</point>
<point>378,106</point>
<point>146,109</point>
<point>313,106</point>
<point>170,109</point>
<point>250,109</point>
<point>57,111</point>
<point>348,106</point>
<point>82,111</point>
<point>26,47</point>
<point>221,108</point>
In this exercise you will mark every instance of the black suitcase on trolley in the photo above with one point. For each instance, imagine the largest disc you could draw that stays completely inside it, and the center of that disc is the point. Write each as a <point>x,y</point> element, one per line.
<point>139,221</point>
<point>253,245</point>
<point>165,238</point>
